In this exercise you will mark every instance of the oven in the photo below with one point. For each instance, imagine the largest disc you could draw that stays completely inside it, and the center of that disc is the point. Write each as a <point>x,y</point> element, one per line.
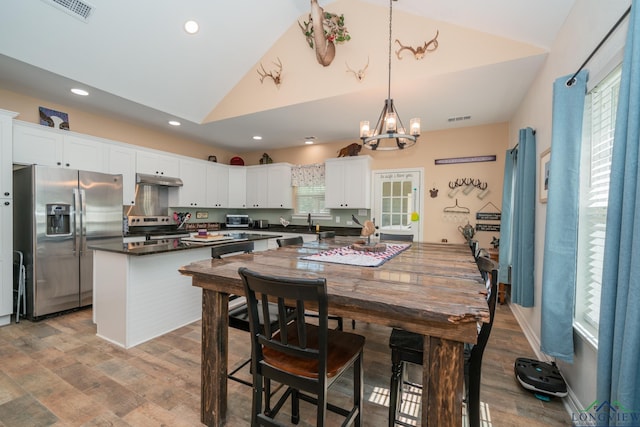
<point>237,221</point>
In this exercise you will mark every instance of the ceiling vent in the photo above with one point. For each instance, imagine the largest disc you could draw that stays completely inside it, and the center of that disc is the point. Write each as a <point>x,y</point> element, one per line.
<point>459,118</point>
<point>76,8</point>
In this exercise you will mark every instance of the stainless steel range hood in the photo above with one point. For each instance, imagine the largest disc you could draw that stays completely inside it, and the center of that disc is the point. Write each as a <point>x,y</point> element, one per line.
<point>164,181</point>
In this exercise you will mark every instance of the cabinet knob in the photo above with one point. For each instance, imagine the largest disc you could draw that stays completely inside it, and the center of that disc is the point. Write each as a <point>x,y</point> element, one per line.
<point>58,163</point>
<point>67,164</point>
<point>7,203</point>
<point>6,193</point>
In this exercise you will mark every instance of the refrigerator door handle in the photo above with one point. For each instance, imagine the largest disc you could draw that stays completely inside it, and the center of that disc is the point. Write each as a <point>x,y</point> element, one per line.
<point>76,203</point>
<point>83,221</point>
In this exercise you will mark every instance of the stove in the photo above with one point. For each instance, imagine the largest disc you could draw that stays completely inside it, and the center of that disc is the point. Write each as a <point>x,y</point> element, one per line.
<point>155,227</point>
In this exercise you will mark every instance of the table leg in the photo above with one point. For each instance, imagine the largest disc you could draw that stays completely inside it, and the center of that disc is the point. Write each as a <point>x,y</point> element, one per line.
<point>443,374</point>
<point>215,321</point>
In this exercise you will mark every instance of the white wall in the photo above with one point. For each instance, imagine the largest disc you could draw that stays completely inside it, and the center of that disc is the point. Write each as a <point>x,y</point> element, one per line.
<point>588,23</point>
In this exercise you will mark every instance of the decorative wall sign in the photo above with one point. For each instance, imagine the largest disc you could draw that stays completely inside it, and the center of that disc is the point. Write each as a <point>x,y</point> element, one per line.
<point>487,227</point>
<point>202,215</point>
<point>488,216</point>
<point>472,159</point>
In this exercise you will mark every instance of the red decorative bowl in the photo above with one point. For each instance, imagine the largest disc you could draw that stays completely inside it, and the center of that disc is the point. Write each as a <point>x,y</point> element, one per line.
<point>236,161</point>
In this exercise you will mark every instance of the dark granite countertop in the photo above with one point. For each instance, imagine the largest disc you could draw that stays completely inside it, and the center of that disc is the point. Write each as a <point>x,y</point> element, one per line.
<point>304,229</point>
<point>151,247</point>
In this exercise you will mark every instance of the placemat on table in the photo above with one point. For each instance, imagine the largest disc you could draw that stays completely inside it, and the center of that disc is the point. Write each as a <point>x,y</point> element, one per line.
<point>346,255</point>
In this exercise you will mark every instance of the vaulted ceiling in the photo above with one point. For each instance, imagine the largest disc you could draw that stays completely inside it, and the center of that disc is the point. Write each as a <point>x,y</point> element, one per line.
<point>138,63</point>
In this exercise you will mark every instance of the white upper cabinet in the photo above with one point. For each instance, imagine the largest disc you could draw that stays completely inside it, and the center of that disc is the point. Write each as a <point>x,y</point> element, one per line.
<point>122,160</point>
<point>84,154</point>
<point>193,192</point>
<point>237,187</point>
<point>257,187</point>
<point>217,179</point>
<point>279,182</point>
<point>269,186</point>
<point>348,182</point>
<point>35,144</point>
<point>155,163</point>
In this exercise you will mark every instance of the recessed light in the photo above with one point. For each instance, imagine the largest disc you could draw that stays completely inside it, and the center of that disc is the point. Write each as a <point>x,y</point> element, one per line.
<point>257,137</point>
<point>174,123</point>
<point>309,140</point>
<point>191,27</point>
<point>80,92</point>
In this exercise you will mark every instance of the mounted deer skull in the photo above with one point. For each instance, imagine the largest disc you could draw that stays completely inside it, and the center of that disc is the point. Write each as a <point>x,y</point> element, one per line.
<point>275,75</point>
<point>360,74</point>
<point>420,51</point>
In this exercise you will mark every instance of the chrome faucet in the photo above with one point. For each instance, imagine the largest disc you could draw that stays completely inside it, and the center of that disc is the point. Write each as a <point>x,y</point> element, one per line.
<point>309,222</point>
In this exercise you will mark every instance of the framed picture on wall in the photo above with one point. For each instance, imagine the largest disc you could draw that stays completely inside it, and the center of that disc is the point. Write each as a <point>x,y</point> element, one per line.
<point>543,176</point>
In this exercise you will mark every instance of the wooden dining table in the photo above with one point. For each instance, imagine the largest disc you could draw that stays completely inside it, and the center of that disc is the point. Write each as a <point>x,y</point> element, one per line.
<point>433,289</point>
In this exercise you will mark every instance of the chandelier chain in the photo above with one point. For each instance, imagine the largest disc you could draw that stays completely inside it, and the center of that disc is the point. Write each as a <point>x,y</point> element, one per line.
<point>390,20</point>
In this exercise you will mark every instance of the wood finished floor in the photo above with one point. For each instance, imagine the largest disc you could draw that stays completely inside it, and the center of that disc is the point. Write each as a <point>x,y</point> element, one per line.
<point>58,373</point>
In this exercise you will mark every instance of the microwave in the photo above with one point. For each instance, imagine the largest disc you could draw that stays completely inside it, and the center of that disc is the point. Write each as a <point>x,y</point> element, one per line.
<point>237,221</point>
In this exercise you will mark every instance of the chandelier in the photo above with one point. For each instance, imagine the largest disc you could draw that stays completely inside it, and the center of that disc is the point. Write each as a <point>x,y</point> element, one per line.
<point>389,127</point>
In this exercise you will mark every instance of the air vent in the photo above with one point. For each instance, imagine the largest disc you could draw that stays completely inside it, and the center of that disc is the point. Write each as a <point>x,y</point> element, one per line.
<point>76,8</point>
<point>459,118</point>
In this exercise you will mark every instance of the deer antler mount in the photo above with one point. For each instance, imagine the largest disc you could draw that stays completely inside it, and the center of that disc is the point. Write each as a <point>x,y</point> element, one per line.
<point>420,51</point>
<point>361,73</point>
<point>275,75</point>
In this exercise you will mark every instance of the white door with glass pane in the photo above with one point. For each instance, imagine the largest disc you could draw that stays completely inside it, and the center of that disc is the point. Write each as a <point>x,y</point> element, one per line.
<point>397,196</point>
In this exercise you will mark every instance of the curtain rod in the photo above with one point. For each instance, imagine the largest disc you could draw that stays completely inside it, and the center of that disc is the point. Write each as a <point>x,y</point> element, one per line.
<point>572,80</point>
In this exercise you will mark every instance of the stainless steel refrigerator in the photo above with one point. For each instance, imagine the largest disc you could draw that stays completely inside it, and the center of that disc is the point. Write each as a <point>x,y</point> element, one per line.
<point>57,213</point>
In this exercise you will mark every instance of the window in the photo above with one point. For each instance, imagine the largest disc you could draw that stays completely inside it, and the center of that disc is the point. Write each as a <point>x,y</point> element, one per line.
<point>397,204</point>
<point>310,199</point>
<point>308,183</point>
<point>599,128</point>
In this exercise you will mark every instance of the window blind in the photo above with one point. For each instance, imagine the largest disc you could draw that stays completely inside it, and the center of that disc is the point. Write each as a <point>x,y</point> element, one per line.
<point>600,116</point>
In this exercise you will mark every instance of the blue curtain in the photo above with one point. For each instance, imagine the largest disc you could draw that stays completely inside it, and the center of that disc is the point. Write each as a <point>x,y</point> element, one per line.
<point>506,218</point>
<point>524,212</point>
<point>561,233</point>
<point>619,331</point>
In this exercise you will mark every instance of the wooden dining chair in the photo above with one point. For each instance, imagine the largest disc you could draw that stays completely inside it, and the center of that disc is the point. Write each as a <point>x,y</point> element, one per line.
<point>298,240</point>
<point>399,237</point>
<point>307,358</point>
<point>238,309</point>
<point>408,347</point>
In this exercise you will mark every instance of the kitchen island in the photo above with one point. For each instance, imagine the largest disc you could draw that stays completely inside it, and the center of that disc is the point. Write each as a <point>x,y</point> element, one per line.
<point>138,292</point>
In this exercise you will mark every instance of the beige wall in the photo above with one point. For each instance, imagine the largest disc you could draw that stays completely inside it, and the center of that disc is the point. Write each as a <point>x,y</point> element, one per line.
<point>105,127</point>
<point>462,142</point>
